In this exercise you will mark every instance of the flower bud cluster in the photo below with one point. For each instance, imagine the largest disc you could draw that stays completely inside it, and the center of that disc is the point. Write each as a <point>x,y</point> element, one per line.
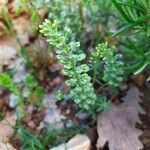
<point>113,66</point>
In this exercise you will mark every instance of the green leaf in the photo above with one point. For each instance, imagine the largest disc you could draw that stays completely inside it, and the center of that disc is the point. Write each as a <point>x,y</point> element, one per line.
<point>118,6</point>
<point>124,29</point>
<point>142,67</point>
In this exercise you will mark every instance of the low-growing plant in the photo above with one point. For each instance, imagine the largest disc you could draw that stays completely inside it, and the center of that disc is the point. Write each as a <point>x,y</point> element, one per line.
<point>67,13</point>
<point>136,13</point>
<point>32,7</point>
<point>35,92</point>
<point>79,82</point>
<point>7,21</point>
<point>84,21</point>
<point>7,82</point>
<point>46,138</point>
<point>107,65</point>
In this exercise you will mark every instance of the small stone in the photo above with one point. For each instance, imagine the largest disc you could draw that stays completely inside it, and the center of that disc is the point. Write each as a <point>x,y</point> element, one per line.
<point>30,109</point>
<point>14,117</point>
<point>53,116</point>
<point>78,142</point>
<point>25,92</point>
<point>50,101</point>
<point>69,124</point>
<point>123,87</point>
<point>13,99</point>
<point>82,115</point>
<point>20,71</point>
<point>31,124</point>
<point>41,126</point>
<point>19,112</point>
<point>68,111</point>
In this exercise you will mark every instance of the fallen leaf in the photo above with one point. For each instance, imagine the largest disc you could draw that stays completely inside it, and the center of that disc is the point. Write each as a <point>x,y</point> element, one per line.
<point>22,27</point>
<point>117,126</point>
<point>2,26</point>
<point>6,55</point>
<point>3,2</point>
<point>41,75</point>
<point>6,146</point>
<point>132,100</point>
<point>56,81</point>
<point>139,80</point>
<point>6,130</point>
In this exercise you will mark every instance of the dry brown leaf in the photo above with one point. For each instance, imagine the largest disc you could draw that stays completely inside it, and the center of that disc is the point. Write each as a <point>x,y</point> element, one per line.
<point>132,100</point>
<point>139,80</point>
<point>2,26</point>
<point>117,126</point>
<point>3,2</point>
<point>23,27</point>
<point>6,146</point>
<point>6,55</point>
<point>7,40</point>
<point>6,130</point>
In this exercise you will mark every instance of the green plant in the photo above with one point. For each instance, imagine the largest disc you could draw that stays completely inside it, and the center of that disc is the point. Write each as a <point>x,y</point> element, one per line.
<point>45,139</point>
<point>105,61</point>
<point>32,7</point>
<point>7,82</point>
<point>35,92</point>
<point>28,140</point>
<point>8,28</point>
<point>136,13</point>
<point>84,21</point>
<point>79,82</point>
<point>67,13</point>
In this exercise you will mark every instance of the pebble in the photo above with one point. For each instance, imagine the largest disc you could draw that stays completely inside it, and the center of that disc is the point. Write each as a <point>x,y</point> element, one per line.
<point>78,142</point>
<point>13,100</point>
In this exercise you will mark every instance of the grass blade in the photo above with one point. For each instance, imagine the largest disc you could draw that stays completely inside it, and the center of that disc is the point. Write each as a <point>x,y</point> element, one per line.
<point>121,11</point>
<point>124,29</point>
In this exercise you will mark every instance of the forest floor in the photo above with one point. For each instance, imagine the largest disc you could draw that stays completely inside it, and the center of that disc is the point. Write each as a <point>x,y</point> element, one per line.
<point>126,124</point>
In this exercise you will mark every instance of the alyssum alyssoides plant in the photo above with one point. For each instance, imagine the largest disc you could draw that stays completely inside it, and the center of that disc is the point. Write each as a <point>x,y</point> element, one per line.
<point>107,65</point>
<point>79,82</point>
